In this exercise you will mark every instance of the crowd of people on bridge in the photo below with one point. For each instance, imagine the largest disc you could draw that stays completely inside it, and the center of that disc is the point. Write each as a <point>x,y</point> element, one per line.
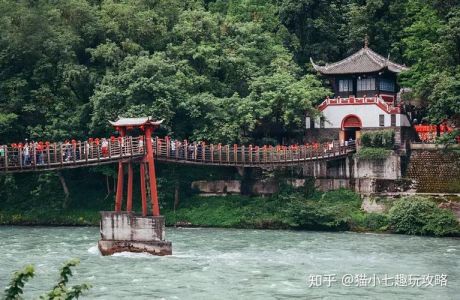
<point>36,153</point>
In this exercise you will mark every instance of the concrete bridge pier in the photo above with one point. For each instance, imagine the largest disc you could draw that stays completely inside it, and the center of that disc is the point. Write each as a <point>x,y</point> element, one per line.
<point>125,231</point>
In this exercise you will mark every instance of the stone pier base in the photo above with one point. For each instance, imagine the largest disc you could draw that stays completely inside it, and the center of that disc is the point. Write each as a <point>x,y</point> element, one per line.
<point>123,231</point>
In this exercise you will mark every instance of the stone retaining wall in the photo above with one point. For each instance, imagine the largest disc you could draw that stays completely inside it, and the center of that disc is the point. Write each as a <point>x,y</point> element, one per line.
<point>435,171</point>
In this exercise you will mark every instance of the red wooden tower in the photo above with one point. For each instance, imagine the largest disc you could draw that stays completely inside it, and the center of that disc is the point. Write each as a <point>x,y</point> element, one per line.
<point>122,125</point>
<point>124,230</point>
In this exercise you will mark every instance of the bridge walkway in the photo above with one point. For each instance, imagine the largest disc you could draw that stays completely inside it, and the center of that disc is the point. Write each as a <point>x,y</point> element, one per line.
<point>65,155</point>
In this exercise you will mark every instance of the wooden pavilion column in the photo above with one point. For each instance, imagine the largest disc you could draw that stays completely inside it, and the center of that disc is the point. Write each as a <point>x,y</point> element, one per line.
<point>152,176</point>
<point>143,189</point>
<point>119,195</point>
<point>129,201</point>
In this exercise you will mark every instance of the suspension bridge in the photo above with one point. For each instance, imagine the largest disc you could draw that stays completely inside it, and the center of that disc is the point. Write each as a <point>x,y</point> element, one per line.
<point>65,155</point>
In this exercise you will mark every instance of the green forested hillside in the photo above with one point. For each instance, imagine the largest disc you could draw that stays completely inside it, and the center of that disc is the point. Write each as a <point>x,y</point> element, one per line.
<point>220,70</point>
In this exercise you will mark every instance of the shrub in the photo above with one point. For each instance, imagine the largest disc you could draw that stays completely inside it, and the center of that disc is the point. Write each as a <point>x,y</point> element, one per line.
<point>422,216</point>
<point>448,138</point>
<point>374,221</point>
<point>379,139</point>
<point>372,153</point>
<point>331,210</point>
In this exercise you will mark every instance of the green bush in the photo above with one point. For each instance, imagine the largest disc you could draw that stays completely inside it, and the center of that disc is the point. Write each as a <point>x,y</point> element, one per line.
<point>372,153</point>
<point>333,210</point>
<point>376,222</point>
<point>379,139</point>
<point>422,217</point>
<point>448,138</point>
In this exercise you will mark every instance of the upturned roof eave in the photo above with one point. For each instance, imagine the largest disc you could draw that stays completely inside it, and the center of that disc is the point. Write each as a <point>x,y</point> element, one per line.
<point>124,122</point>
<point>379,61</point>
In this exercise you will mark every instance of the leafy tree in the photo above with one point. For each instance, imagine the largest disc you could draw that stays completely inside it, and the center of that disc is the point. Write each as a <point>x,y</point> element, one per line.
<point>317,26</point>
<point>431,45</point>
<point>60,291</point>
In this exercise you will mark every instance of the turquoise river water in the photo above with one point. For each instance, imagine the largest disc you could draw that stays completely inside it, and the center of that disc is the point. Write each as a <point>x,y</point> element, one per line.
<point>241,264</point>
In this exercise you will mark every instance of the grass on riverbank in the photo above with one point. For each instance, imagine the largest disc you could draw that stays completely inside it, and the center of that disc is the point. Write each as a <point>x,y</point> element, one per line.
<point>329,211</point>
<point>332,211</point>
<point>81,217</point>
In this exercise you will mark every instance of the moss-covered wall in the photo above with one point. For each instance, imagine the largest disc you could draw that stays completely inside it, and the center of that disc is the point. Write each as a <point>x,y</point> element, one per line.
<point>435,171</point>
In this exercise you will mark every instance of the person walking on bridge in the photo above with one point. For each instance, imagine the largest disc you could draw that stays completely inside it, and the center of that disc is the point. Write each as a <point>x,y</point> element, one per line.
<point>39,150</point>
<point>141,144</point>
<point>105,147</point>
<point>2,154</point>
<point>26,154</point>
<point>173,147</point>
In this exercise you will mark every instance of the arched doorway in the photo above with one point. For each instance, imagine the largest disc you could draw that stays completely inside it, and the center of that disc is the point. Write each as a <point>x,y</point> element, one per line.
<point>351,128</point>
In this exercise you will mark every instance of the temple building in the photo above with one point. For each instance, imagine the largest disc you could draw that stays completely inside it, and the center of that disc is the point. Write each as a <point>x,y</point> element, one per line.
<point>365,97</point>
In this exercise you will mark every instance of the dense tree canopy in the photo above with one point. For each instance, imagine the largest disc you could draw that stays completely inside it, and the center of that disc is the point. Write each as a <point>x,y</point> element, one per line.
<point>220,71</point>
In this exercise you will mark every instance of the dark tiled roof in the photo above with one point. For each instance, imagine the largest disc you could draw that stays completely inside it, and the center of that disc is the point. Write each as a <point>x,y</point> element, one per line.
<point>134,121</point>
<point>363,61</point>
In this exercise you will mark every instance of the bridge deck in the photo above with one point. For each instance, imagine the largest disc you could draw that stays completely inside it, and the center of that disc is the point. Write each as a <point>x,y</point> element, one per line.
<point>56,156</point>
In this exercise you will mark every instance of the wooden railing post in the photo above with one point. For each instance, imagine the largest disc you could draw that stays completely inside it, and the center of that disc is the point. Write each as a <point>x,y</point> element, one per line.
<point>55,152</point>
<point>186,150</point>
<point>48,156</point>
<point>157,147</point>
<point>21,163</point>
<point>79,150</point>
<point>74,152</point>
<point>212,152</point>
<point>98,152</point>
<point>220,152</point>
<point>203,151</point>
<point>168,147</point>
<point>121,144</point>
<point>61,154</point>
<point>227,147</point>
<point>6,158</point>
<point>176,143</point>
<point>86,146</point>
<point>34,153</point>
<point>131,145</point>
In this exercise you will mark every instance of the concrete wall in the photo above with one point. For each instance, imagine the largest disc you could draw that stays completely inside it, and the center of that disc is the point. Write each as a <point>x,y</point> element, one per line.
<point>389,168</point>
<point>215,187</point>
<point>361,175</point>
<point>125,226</point>
<point>225,187</point>
<point>369,115</point>
<point>332,184</point>
<point>265,187</point>
<point>338,168</point>
<point>380,185</point>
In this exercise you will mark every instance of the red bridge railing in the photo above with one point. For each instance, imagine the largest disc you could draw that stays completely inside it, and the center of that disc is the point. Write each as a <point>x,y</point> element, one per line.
<point>202,153</point>
<point>49,156</point>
